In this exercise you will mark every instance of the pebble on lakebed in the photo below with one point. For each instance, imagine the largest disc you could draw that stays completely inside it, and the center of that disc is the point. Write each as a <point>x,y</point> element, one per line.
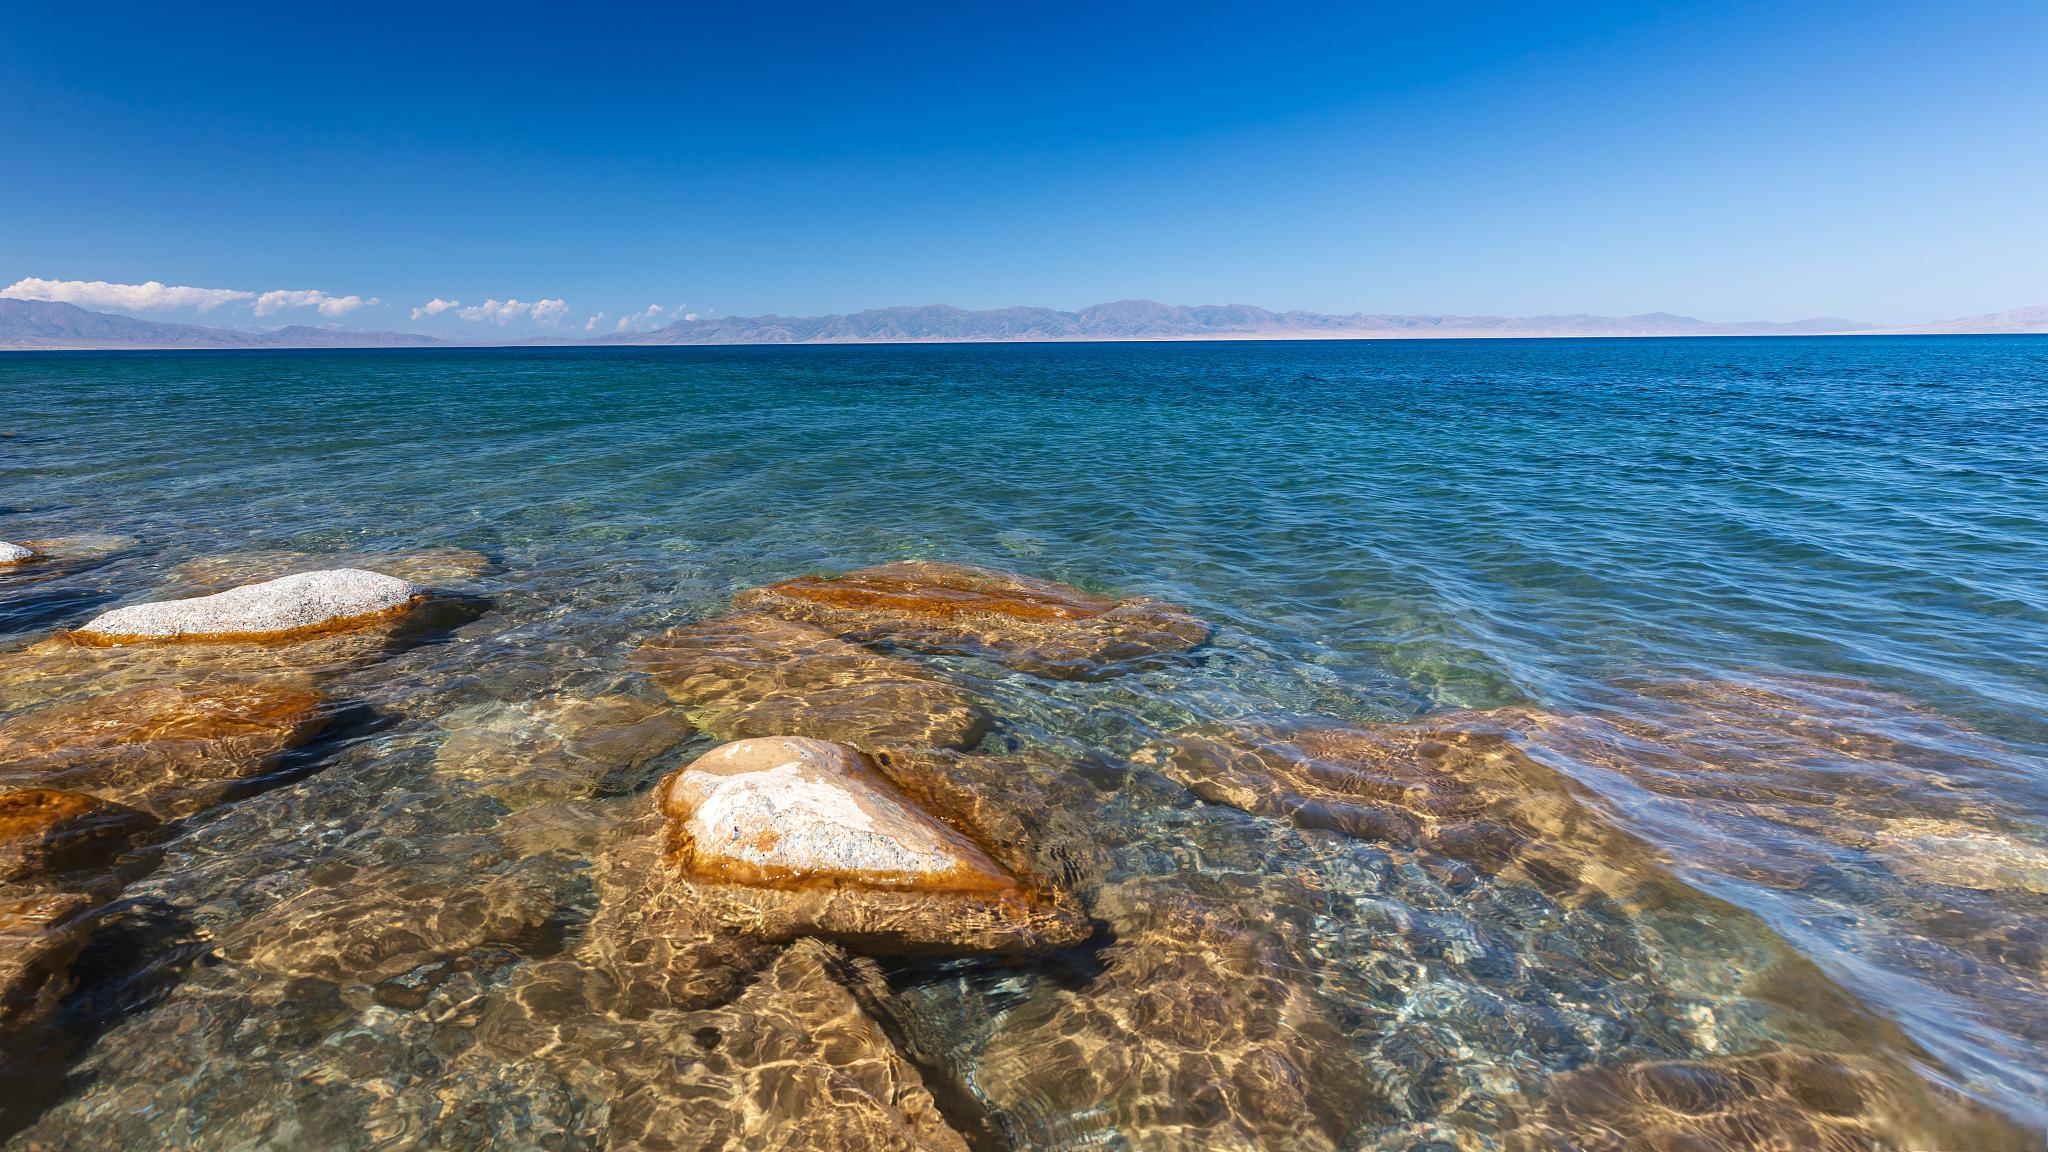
<point>304,604</point>
<point>783,837</point>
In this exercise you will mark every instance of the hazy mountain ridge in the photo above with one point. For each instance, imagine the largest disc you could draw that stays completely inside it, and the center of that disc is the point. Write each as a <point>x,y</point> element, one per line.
<point>1150,320</point>
<point>30,324</point>
<point>50,324</point>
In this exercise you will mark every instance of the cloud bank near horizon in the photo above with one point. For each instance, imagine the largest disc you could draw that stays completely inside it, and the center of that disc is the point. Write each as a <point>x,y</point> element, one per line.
<point>156,296</point>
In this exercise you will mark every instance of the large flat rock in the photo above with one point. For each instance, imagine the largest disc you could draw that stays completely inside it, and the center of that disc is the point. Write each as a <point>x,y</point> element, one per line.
<point>290,607</point>
<point>166,749</point>
<point>1036,625</point>
<point>15,553</point>
<point>779,838</point>
<point>752,674</point>
<point>790,809</point>
<point>46,830</point>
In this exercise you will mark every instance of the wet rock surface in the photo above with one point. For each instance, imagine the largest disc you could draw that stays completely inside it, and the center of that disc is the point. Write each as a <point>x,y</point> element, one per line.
<point>44,831</point>
<point>39,934</point>
<point>1037,625</point>
<point>168,749</point>
<point>288,607</point>
<point>792,810</point>
<point>1195,921</point>
<point>15,554</point>
<point>774,839</point>
<point>752,674</point>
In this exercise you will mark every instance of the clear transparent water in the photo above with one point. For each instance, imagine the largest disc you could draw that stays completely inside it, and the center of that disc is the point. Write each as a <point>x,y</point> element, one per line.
<point>1778,608</point>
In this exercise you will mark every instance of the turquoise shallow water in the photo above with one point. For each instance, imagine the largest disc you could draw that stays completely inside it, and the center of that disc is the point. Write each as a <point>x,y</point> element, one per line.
<point>1778,607</point>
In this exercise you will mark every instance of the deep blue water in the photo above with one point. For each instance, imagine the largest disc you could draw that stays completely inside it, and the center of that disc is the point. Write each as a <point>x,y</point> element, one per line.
<point>1768,563</point>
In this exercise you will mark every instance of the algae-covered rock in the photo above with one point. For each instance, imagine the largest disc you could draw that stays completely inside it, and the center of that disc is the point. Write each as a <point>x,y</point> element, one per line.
<point>1036,625</point>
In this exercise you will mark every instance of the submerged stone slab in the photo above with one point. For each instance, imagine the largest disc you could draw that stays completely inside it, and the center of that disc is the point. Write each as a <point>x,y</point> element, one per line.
<point>795,1063</point>
<point>1039,626</point>
<point>381,923</point>
<point>15,553</point>
<point>44,830</point>
<point>433,567</point>
<point>1457,786</point>
<point>752,674</point>
<point>1200,1030</point>
<point>163,748</point>
<point>39,935</point>
<point>306,604</point>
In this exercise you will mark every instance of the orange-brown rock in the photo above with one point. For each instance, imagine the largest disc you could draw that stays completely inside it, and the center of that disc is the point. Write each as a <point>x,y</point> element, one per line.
<point>1789,1100</point>
<point>166,749</point>
<point>752,674</point>
<point>1036,625</point>
<point>379,923</point>
<point>1201,1031</point>
<point>43,830</point>
<point>433,567</point>
<point>787,837</point>
<point>1457,786</point>
<point>39,934</point>
<point>794,1060</point>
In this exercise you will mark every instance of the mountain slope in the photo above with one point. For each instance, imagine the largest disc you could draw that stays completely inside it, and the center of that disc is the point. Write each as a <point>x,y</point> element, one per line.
<point>1149,320</point>
<point>50,324</point>
<point>2018,320</point>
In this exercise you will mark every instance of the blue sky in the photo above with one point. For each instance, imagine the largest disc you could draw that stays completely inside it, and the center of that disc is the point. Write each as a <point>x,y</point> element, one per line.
<point>1884,162</point>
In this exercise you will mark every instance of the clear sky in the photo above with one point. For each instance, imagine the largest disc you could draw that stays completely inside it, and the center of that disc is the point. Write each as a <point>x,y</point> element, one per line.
<point>1883,162</point>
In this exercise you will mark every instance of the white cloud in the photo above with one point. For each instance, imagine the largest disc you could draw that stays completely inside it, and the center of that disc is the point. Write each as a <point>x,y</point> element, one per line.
<point>149,296</point>
<point>435,307</point>
<point>506,311</point>
<point>590,325</point>
<point>283,298</point>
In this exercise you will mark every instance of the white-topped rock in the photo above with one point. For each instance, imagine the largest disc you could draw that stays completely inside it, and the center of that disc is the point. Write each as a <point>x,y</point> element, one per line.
<point>789,807</point>
<point>15,553</point>
<point>304,603</point>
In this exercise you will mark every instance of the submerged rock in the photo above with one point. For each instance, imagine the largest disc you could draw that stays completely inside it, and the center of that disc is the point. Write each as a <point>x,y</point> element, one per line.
<point>786,837</point>
<point>434,567</point>
<point>379,923</point>
<point>794,1060</point>
<point>15,553</point>
<point>752,674</point>
<point>1036,625</point>
<point>559,748</point>
<point>1200,1030</point>
<point>43,830</point>
<point>165,749</point>
<point>1456,786</point>
<point>290,607</point>
<point>1788,1098</point>
<point>39,935</point>
<point>793,1064</point>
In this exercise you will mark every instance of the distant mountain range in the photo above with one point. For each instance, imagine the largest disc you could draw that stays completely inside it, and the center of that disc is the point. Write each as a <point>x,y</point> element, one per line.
<point>26,324</point>
<point>50,324</point>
